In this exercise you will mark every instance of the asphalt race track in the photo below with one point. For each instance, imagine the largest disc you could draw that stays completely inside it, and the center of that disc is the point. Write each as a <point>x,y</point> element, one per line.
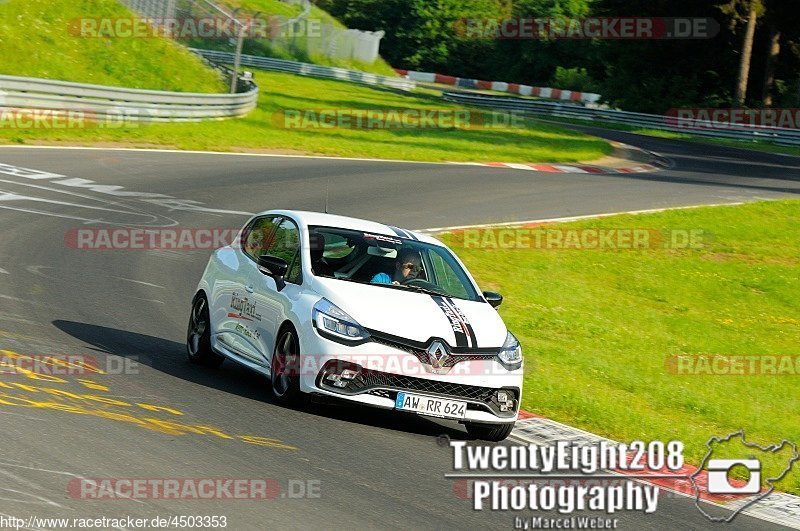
<point>370,469</point>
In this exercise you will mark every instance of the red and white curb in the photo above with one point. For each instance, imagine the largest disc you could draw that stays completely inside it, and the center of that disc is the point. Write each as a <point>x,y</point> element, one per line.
<point>656,163</point>
<point>778,507</point>
<point>566,168</point>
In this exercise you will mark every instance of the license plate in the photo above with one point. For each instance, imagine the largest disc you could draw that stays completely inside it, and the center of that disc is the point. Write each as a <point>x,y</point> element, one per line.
<point>431,406</point>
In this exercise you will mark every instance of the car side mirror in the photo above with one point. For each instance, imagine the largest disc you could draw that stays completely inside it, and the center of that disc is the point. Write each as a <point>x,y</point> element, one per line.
<point>273,266</point>
<point>493,298</point>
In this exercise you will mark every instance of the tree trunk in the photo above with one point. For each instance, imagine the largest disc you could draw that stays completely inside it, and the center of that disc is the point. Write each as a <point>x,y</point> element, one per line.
<point>773,50</point>
<point>747,51</point>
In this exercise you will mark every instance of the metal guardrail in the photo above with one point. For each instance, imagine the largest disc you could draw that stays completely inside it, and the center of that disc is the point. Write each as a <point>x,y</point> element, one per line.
<point>307,69</point>
<point>722,130</point>
<point>500,86</point>
<point>120,102</point>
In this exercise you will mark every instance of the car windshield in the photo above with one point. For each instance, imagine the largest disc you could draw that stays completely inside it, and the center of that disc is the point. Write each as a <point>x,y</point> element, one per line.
<point>388,261</point>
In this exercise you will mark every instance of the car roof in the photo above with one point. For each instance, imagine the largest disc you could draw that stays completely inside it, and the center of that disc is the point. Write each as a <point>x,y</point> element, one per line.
<point>308,218</point>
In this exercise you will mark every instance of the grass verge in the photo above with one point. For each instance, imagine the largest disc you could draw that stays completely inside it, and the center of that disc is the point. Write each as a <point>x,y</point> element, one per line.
<point>36,41</point>
<point>260,130</point>
<point>597,326</point>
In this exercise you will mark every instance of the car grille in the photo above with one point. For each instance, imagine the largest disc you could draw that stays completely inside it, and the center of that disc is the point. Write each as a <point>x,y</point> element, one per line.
<point>384,393</point>
<point>423,356</point>
<point>379,379</point>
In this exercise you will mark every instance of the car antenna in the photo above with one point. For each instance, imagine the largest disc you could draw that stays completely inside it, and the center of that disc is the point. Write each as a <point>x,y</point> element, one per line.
<point>327,187</point>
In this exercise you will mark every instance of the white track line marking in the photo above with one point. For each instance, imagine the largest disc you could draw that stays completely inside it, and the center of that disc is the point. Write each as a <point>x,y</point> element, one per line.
<point>145,300</point>
<point>15,299</point>
<point>232,154</point>
<point>3,271</point>
<point>140,282</point>
<point>577,218</point>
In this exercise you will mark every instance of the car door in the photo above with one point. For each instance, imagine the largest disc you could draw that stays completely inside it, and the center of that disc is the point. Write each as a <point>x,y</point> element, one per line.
<point>272,300</point>
<point>237,306</point>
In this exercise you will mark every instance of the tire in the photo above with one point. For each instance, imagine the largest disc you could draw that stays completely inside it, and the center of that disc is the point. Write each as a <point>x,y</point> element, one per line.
<point>285,369</point>
<point>490,432</point>
<point>198,336</point>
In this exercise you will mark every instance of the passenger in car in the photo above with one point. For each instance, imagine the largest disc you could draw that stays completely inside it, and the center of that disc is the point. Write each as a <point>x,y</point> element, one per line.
<point>319,265</point>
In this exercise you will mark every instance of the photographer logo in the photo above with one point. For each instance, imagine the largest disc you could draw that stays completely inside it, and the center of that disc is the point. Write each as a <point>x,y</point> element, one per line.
<point>719,473</point>
<point>736,480</point>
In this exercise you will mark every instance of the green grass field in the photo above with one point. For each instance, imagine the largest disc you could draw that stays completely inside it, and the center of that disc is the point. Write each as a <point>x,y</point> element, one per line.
<point>597,326</point>
<point>259,131</point>
<point>36,41</point>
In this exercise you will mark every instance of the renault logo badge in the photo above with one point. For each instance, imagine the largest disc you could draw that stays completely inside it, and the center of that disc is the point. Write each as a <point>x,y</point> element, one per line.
<point>438,355</point>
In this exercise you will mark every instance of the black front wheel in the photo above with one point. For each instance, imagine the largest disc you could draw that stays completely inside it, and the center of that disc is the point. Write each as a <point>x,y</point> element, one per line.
<point>198,336</point>
<point>284,369</point>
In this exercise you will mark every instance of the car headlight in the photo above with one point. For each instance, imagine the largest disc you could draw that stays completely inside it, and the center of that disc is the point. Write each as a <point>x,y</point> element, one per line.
<point>511,353</point>
<point>332,321</point>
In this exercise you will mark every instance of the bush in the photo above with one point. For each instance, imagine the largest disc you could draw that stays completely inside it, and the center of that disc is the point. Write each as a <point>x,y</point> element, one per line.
<point>577,79</point>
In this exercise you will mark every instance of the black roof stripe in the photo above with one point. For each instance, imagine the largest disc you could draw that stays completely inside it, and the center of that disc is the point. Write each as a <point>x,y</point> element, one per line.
<point>399,232</point>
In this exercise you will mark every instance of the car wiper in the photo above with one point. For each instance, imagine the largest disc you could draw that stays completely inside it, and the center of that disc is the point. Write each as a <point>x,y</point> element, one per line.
<point>420,289</point>
<point>429,291</point>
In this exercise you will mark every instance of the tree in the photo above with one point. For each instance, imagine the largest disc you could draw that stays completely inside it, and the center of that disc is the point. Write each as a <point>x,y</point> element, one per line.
<point>773,51</point>
<point>423,34</point>
<point>753,9</point>
<point>780,55</point>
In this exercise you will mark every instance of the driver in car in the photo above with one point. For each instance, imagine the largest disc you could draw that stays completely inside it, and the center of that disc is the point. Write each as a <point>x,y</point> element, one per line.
<point>407,267</point>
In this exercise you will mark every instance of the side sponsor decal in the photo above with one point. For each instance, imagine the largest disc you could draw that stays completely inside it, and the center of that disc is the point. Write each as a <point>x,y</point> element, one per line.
<point>383,238</point>
<point>245,308</point>
<point>252,334</point>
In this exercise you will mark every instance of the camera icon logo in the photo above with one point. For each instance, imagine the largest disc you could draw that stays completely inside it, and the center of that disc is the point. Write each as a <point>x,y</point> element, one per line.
<point>719,479</point>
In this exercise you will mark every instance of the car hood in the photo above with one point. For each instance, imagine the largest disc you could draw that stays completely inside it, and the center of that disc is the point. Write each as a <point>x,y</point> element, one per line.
<point>416,316</point>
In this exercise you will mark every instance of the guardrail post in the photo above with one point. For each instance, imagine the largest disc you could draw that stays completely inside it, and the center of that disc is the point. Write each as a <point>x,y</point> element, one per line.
<point>238,58</point>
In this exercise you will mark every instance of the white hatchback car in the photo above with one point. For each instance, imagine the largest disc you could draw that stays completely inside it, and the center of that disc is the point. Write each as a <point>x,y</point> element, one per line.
<point>360,311</point>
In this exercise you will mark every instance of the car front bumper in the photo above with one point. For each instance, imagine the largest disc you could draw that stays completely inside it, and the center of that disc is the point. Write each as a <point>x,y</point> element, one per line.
<point>383,371</point>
